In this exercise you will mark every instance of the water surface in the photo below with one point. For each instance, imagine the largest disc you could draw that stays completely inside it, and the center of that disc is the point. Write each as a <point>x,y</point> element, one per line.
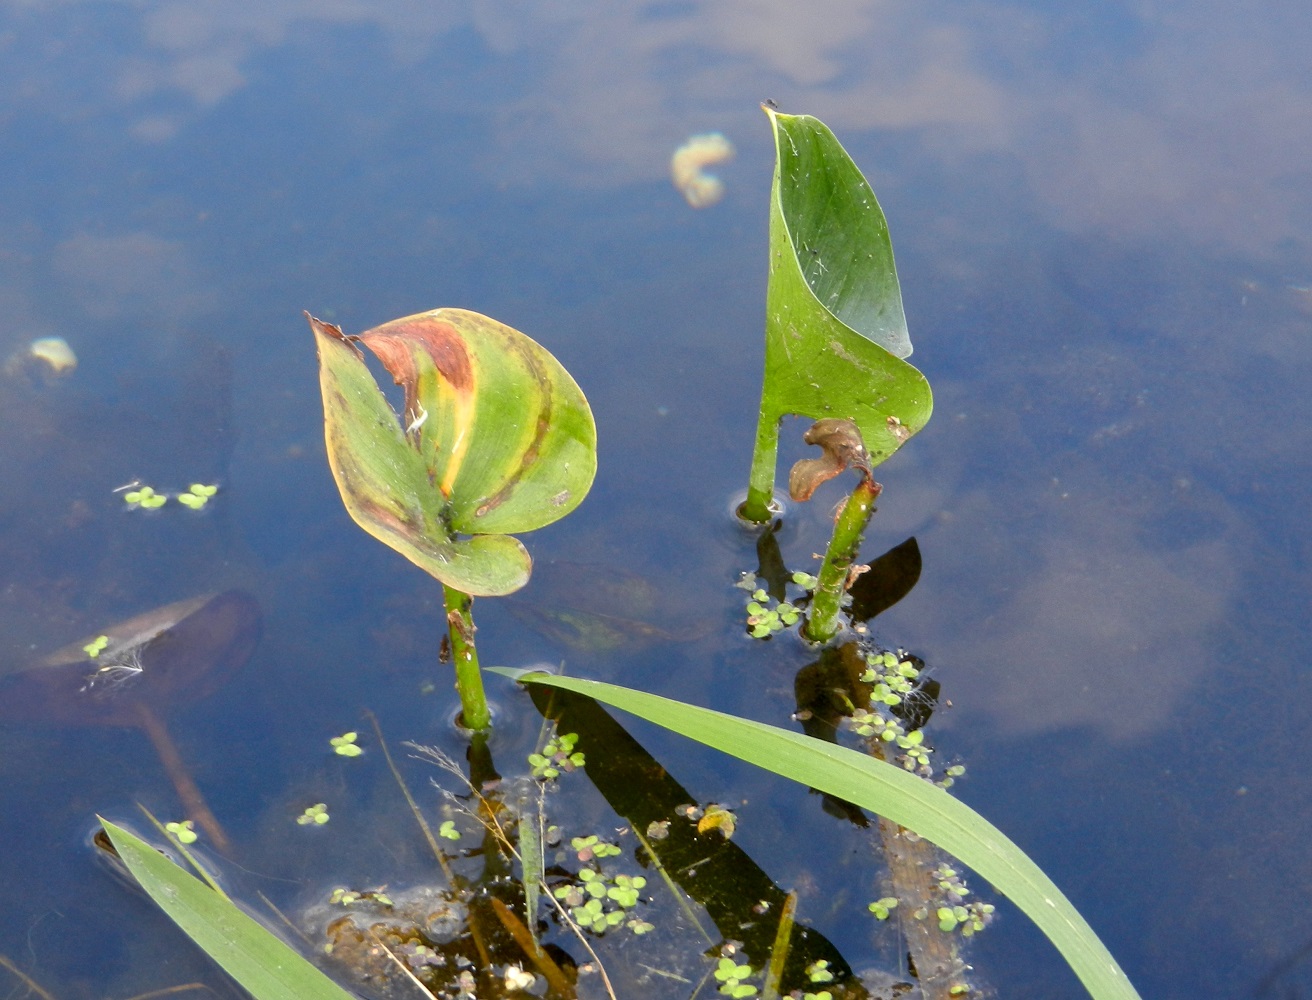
<point>1100,214</point>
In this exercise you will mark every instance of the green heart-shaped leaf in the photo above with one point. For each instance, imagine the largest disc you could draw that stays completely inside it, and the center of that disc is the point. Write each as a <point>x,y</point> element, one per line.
<point>496,437</point>
<point>835,332</point>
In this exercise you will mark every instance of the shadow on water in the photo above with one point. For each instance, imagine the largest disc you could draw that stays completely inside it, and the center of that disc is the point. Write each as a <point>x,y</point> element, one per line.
<point>1287,979</point>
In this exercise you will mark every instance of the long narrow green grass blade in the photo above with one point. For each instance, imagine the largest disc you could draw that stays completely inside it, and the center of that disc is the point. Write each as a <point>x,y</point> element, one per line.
<point>267,967</point>
<point>891,792</point>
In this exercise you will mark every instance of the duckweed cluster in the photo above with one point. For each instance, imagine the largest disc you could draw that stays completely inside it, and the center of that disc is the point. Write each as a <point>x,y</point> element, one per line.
<point>145,497</point>
<point>765,616</point>
<point>731,975</point>
<point>591,847</point>
<point>349,897</point>
<point>184,833</point>
<point>315,815</point>
<point>346,745</point>
<point>557,757</point>
<point>598,903</point>
<point>893,679</point>
<point>956,914</point>
<point>882,907</point>
<point>818,973</point>
<point>196,496</point>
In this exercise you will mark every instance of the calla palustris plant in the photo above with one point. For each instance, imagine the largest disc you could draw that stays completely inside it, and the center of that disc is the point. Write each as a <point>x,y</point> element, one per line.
<point>495,437</point>
<point>835,331</point>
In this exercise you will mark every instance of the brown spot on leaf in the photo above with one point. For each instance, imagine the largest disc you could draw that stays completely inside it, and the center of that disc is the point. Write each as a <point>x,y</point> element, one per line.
<point>395,343</point>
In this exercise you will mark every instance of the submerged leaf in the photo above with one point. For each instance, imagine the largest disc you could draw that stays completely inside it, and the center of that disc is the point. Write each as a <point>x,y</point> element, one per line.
<point>496,437</point>
<point>162,660</point>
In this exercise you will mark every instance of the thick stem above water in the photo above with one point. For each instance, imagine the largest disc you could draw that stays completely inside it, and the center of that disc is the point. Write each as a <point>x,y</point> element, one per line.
<point>474,712</point>
<point>822,621</point>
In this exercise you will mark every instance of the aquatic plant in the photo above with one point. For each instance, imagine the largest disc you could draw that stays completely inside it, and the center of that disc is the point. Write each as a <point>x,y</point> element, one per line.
<point>262,963</point>
<point>197,495</point>
<point>145,497</point>
<point>889,791</point>
<point>497,438</point>
<point>835,331</point>
<point>346,745</point>
<point>465,465</point>
<point>315,815</point>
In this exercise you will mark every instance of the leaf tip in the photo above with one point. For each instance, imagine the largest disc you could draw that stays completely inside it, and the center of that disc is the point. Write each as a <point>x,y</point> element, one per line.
<point>331,331</point>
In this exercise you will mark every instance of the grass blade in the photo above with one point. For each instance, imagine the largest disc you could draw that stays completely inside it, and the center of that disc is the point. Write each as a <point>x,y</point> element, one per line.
<point>891,792</point>
<point>265,965</point>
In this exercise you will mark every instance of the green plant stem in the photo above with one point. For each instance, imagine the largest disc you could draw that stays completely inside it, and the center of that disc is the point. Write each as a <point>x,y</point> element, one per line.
<point>760,485</point>
<point>474,713</point>
<point>822,618</point>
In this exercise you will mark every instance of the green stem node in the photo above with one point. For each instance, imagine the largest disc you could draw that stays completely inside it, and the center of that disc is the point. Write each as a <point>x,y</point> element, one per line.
<point>474,714</point>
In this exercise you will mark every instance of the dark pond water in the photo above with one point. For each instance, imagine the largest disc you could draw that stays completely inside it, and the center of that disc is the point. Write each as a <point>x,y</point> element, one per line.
<point>1101,216</point>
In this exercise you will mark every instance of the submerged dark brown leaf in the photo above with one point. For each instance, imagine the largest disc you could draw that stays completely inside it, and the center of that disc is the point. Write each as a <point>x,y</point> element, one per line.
<point>163,659</point>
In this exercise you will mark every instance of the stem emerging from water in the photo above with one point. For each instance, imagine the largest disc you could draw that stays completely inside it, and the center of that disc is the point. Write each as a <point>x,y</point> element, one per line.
<point>822,622</point>
<point>760,486</point>
<point>474,713</point>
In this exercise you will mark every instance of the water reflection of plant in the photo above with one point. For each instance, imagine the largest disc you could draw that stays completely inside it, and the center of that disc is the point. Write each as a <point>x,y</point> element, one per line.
<point>442,488</point>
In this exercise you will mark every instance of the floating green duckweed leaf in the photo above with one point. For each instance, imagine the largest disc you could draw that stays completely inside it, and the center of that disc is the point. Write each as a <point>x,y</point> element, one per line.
<point>96,646</point>
<point>345,745</point>
<point>316,815</point>
<point>184,832</point>
<point>145,497</point>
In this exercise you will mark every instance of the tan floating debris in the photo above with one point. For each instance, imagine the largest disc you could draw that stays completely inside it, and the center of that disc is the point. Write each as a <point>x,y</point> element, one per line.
<point>687,168</point>
<point>52,355</point>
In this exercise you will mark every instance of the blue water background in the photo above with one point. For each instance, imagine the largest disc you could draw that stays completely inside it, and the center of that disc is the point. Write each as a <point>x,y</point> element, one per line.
<point>1101,214</point>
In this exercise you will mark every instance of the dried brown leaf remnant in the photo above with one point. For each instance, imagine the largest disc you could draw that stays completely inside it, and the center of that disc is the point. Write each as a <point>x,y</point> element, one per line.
<point>840,440</point>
